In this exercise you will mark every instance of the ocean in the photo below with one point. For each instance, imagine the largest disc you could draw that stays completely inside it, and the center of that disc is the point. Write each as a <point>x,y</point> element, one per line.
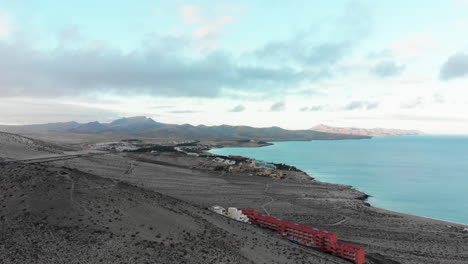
<point>419,175</point>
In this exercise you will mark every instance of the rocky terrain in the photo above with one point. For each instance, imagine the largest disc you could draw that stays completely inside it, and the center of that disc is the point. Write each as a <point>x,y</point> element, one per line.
<point>372,132</point>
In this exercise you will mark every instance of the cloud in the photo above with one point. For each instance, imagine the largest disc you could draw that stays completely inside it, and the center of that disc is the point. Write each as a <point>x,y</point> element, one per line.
<point>6,24</point>
<point>278,107</point>
<point>191,14</point>
<point>381,54</point>
<point>438,98</point>
<point>340,35</point>
<point>162,107</point>
<point>372,105</point>
<point>361,105</point>
<point>208,28</point>
<point>167,66</point>
<point>206,32</point>
<point>431,118</point>
<point>413,103</point>
<point>461,2</point>
<point>455,67</point>
<point>238,108</point>
<point>304,53</point>
<point>70,33</point>
<point>313,108</point>
<point>463,24</point>
<point>159,69</point>
<point>385,69</point>
<point>36,111</point>
<point>354,105</point>
<point>414,46</point>
<point>183,112</point>
<point>212,30</point>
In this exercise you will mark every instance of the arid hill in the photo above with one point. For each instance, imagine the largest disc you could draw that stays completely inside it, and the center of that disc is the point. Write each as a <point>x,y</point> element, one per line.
<point>57,215</point>
<point>371,132</point>
<point>16,146</point>
<point>147,127</point>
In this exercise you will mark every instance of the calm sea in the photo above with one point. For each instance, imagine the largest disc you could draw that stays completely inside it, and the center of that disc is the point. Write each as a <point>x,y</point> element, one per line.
<point>420,175</point>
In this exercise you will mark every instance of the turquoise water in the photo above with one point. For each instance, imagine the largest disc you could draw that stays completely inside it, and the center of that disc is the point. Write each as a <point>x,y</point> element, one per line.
<point>420,175</point>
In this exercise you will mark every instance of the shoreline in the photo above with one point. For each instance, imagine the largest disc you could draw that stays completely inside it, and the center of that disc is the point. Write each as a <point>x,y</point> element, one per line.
<point>365,196</point>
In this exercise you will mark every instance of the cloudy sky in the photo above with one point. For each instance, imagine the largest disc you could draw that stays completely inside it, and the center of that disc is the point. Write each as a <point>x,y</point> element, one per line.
<point>294,64</point>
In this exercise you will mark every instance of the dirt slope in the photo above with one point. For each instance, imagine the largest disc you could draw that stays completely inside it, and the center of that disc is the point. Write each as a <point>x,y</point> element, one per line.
<point>15,146</point>
<point>56,215</point>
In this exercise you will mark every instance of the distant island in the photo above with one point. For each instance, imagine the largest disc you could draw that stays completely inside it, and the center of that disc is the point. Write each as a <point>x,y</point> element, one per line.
<point>371,132</point>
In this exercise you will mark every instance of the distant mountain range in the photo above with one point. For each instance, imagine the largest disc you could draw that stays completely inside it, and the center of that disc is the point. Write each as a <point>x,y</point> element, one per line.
<point>372,132</point>
<point>147,127</point>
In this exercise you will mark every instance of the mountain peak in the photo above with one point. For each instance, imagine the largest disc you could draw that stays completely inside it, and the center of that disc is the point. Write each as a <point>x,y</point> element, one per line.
<point>134,123</point>
<point>133,120</point>
<point>90,127</point>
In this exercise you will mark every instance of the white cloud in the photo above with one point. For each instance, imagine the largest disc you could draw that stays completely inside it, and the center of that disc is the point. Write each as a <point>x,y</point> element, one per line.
<point>414,46</point>
<point>208,33</point>
<point>208,27</point>
<point>6,24</point>
<point>224,20</point>
<point>461,2</point>
<point>33,110</point>
<point>461,23</point>
<point>413,103</point>
<point>191,14</point>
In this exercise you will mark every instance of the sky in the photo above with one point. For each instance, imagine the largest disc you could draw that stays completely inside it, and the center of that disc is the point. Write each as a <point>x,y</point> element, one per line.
<point>293,64</point>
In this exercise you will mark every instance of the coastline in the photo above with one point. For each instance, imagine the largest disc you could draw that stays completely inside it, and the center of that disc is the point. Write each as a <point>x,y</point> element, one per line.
<point>388,236</point>
<point>365,196</point>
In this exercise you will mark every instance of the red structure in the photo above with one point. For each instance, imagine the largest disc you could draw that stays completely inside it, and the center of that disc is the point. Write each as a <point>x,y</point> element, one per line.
<point>309,236</point>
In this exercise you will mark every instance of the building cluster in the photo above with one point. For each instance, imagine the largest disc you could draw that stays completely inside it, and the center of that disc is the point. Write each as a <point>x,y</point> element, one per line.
<point>309,236</point>
<point>191,150</point>
<point>300,234</point>
<point>130,145</point>
<point>113,146</point>
<point>238,164</point>
<point>178,143</point>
